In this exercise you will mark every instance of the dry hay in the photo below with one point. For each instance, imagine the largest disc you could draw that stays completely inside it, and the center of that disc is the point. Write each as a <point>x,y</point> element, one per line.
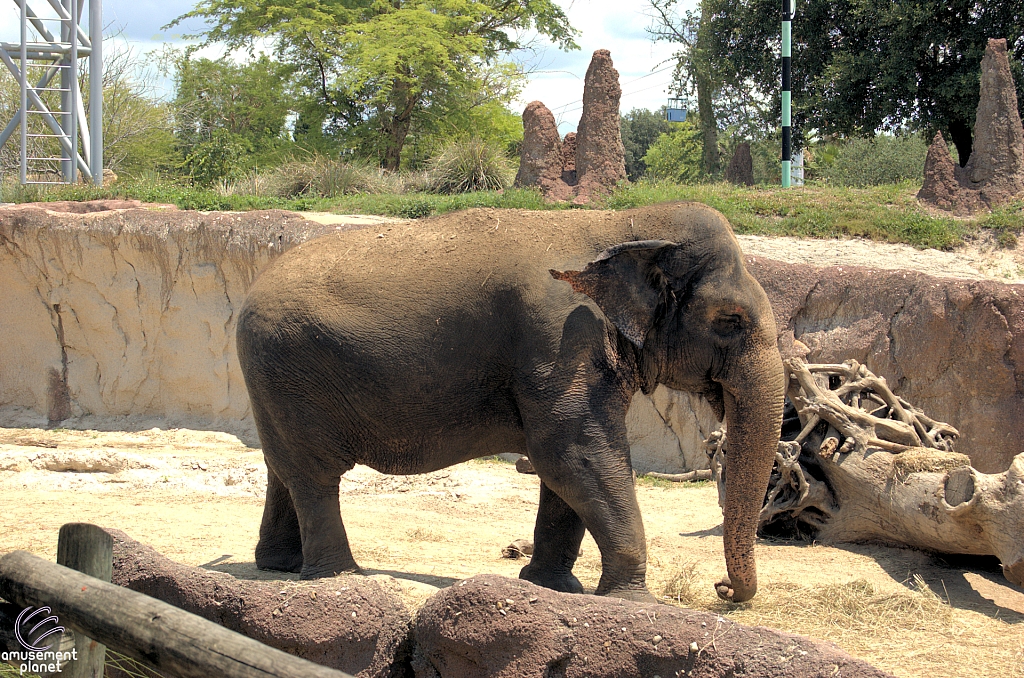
<point>910,632</point>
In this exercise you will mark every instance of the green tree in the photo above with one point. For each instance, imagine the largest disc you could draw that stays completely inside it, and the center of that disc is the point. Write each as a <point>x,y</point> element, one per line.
<point>374,68</point>
<point>640,129</point>
<point>866,65</point>
<point>225,112</point>
<point>677,155</point>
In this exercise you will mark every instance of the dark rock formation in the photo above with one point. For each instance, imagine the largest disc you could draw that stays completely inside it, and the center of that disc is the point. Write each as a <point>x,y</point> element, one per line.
<point>996,165</point>
<point>600,157</point>
<point>941,187</point>
<point>498,627</point>
<point>347,623</point>
<point>954,348</point>
<point>741,167</point>
<point>587,163</point>
<point>540,159</point>
<point>569,159</point>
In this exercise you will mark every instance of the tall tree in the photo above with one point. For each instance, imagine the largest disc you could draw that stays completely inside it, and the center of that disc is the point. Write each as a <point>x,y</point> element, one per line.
<point>725,99</point>
<point>378,64</point>
<point>224,111</point>
<point>694,69</point>
<point>865,65</point>
<point>640,129</point>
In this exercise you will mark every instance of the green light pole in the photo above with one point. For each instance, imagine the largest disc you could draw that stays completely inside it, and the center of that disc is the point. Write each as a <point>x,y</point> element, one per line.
<point>787,64</point>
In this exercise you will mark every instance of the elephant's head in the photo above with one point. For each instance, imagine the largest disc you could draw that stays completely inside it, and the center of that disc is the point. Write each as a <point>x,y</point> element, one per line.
<point>700,322</point>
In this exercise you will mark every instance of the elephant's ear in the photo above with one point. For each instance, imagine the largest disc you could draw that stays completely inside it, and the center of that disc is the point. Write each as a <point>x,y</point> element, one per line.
<point>626,283</point>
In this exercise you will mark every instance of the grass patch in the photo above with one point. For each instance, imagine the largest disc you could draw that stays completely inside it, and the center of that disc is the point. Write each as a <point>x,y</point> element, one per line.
<point>887,213</point>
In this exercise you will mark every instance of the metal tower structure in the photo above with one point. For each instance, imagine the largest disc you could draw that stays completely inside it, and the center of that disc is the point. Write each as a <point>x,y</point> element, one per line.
<point>54,130</point>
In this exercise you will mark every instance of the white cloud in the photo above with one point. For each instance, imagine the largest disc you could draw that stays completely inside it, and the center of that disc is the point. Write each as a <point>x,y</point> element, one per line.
<point>620,27</point>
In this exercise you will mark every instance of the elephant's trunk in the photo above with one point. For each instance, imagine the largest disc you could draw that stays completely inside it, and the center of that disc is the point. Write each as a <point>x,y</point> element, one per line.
<point>753,397</point>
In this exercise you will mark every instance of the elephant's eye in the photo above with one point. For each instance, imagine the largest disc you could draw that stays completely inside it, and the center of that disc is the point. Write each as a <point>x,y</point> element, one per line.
<point>727,323</point>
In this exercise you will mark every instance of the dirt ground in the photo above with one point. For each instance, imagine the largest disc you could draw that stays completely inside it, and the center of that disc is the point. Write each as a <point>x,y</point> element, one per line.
<point>197,497</point>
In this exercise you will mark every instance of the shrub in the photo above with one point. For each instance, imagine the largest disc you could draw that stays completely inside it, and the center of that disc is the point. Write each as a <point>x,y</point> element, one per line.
<point>676,155</point>
<point>470,165</point>
<point>872,162</point>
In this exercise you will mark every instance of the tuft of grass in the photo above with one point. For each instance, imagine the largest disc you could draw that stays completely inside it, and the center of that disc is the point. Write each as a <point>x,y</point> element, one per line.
<point>685,587</point>
<point>470,165</point>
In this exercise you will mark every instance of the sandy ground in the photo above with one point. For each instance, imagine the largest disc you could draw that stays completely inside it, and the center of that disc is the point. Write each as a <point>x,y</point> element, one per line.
<point>197,497</point>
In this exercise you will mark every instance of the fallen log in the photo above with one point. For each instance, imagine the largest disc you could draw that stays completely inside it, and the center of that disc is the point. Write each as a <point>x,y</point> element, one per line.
<point>688,477</point>
<point>857,463</point>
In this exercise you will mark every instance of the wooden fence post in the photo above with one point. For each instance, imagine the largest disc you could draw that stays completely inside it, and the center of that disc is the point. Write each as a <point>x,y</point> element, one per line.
<point>90,550</point>
<point>159,635</point>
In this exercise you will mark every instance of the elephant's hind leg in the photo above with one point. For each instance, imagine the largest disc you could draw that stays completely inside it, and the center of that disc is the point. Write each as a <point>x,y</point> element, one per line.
<point>556,544</point>
<point>280,544</point>
<point>325,549</point>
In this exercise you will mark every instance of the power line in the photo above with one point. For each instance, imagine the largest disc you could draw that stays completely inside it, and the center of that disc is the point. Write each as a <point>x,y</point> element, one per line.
<point>644,89</point>
<point>579,101</point>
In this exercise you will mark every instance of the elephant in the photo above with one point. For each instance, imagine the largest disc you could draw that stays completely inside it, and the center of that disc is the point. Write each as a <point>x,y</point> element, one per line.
<point>490,331</point>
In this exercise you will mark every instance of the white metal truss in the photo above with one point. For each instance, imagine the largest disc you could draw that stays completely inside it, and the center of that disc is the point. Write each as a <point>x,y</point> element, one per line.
<point>53,44</point>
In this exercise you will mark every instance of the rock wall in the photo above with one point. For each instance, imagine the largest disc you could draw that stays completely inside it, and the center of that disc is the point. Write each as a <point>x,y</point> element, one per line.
<point>130,313</point>
<point>125,318</point>
<point>954,348</point>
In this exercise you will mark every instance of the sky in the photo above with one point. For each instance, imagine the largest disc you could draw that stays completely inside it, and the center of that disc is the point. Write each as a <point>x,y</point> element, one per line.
<point>556,76</point>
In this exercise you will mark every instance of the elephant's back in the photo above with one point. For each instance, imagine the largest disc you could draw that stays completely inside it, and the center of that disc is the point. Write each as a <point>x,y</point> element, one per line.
<point>458,248</point>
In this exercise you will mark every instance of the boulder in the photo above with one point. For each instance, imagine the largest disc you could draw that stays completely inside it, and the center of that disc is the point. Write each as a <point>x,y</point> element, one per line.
<point>600,157</point>
<point>996,166</point>
<point>741,166</point>
<point>350,623</point>
<point>540,158</point>
<point>496,627</point>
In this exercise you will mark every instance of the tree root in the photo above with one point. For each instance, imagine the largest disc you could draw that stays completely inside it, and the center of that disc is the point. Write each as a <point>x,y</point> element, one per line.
<point>858,463</point>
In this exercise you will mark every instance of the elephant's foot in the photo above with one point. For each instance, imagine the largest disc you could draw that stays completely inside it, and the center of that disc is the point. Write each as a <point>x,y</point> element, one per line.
<point>566,582</point>
<point>329,570</point>
<point>634,595</point>
<point>278,560</point>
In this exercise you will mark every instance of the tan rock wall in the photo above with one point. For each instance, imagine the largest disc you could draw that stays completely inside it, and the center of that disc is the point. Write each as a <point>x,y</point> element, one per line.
<point>125,319</point>
<point>130,313</point>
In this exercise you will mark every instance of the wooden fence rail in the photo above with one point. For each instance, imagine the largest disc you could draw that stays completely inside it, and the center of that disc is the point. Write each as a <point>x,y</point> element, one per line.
<point>159,635</point>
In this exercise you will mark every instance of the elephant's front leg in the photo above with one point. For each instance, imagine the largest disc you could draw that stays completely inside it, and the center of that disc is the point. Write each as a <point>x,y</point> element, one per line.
<point>586,466</point>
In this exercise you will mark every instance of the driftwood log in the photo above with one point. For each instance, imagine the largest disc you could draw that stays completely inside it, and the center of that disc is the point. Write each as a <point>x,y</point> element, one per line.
<point>857,463</point>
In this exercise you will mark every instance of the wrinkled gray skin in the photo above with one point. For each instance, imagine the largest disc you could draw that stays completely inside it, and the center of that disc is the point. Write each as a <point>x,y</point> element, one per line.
<point>470,335</point>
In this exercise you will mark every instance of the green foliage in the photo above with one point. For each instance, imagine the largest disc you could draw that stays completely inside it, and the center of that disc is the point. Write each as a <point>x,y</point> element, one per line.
<point>640,129</point>
<point>868,65</point>
<point>676,155</point>
<point>470,165</point>
<point>870,162</point>
<point>371,71</point>
<point>227,116</point>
